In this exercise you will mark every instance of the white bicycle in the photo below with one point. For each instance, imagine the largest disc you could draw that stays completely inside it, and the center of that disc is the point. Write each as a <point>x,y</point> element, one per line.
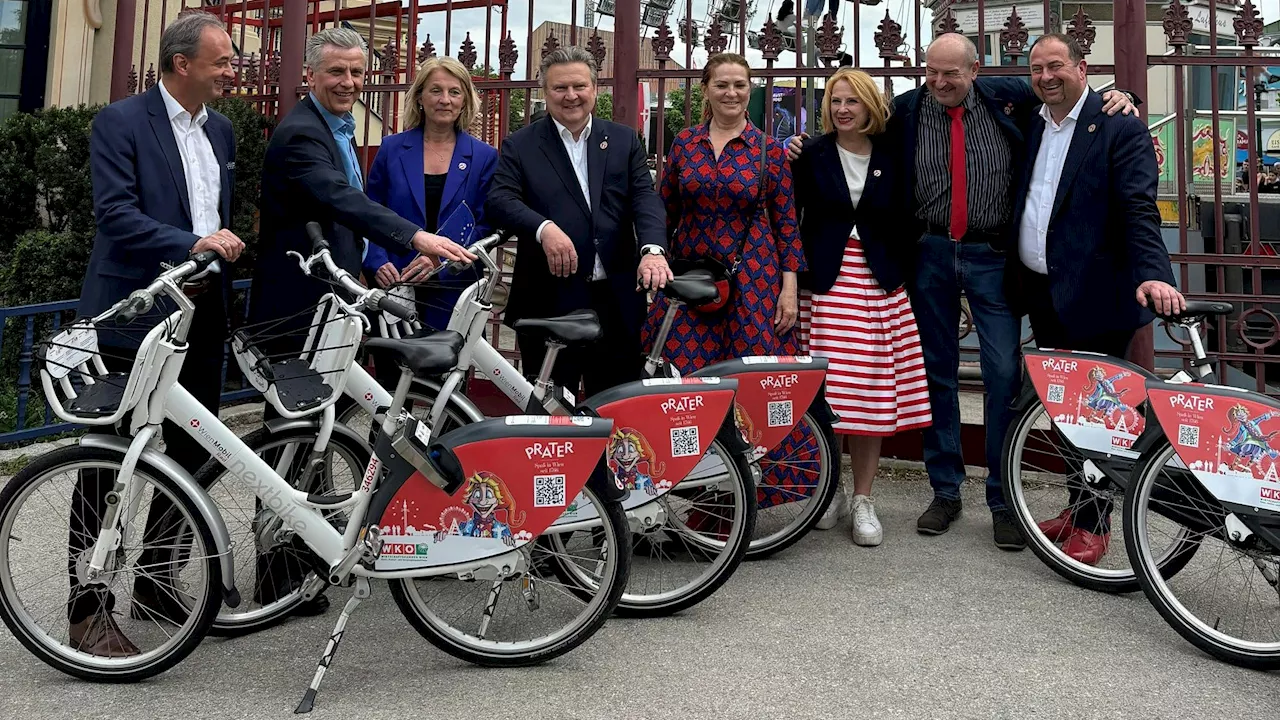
<point>408,486</point>
<point>693,515</point>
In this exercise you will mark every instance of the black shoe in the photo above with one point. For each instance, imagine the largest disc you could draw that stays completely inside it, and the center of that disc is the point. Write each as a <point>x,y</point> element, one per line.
<point>1007,534</point>
<point>938,518</point>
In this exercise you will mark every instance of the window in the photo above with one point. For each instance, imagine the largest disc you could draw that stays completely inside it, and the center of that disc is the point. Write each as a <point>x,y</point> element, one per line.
<point>13,44</point>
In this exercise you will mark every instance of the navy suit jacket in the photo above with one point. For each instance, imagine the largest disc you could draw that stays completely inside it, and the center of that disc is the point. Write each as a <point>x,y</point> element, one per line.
<point>1104,232</point>
<point>535,181</point>
<point>1011,103</point>
<point>140,198</point>
<point>395,180</point>
<point>304,180</point>
<point>827,215</point>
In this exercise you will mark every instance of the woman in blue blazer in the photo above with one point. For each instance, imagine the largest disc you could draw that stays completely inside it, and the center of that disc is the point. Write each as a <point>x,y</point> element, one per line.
<point>427,173</point>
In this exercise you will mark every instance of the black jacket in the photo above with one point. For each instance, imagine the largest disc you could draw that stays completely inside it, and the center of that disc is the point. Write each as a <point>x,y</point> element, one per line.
<point>827,215</point>
<point>535,181</point>
<point>303,180</point>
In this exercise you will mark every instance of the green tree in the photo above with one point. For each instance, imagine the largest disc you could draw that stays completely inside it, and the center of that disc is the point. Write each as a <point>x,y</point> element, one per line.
<point>674,117</point>
<point>604,106</point>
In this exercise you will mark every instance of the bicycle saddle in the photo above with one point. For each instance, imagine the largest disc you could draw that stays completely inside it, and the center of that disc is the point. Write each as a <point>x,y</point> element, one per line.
<point>1198,309</point>
<point>694,287</point>
<point>578,327</point>
<point>428,355</point>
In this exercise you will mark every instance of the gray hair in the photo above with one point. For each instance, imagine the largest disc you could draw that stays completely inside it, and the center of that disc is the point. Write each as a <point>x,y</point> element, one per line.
<point>182,36</point>
<point>565,56</point>
<point>343,38</point>
<point>970,50</point>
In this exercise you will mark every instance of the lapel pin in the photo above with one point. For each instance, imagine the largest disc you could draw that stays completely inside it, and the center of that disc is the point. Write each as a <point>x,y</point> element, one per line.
<point>231,165</point>
<point>1092,128</point>
<point>876,173</point>
<point>462,166</point>
<point>604,144</point>
<point>1008,109</point>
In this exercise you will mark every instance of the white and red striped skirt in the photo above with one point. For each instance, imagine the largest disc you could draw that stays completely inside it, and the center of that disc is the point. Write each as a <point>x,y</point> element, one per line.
<point>876,380</point>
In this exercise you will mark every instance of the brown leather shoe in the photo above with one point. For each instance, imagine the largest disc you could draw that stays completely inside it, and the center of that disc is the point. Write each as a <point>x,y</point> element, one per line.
<point>99,635</point>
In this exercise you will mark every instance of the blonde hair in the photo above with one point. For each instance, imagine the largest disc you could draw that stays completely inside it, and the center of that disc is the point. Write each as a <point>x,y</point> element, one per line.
<point>413,113</point>
<point>865,90</point>
<point>714,62</point>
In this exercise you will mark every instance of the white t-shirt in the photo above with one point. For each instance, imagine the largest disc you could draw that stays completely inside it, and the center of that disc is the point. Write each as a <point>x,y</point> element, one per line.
<point>855,173</point>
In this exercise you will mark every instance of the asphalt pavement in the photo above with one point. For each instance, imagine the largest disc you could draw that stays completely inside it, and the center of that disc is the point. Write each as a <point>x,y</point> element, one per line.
<point>921,627</point>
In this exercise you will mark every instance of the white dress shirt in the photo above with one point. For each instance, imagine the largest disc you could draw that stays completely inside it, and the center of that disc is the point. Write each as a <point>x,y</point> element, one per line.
<point>199,164</point>
<point>1045,174</point>
<point>855,173</point>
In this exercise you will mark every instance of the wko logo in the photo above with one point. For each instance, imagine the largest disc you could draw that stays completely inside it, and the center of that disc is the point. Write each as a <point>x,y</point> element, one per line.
<point>1272,494</point>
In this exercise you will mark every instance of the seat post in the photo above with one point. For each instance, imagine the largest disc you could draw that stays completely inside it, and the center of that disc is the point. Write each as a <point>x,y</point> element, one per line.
<point>654,360</point>
<point>543,383</point>
<point>397,400</point>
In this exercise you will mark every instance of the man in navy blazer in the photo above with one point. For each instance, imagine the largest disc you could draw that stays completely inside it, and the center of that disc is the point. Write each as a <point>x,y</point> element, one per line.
<point>163,167</point>
<point>1090,257</point>
<point>311,174</point>
<point>577,193</point>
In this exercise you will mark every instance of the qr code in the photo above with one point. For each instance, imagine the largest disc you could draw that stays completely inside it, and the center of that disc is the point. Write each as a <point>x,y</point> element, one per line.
<point>780,414</point>
<point>1056,393</point>
<point>684,441</point>
<point>1188,436</point>
<point>548,490</point>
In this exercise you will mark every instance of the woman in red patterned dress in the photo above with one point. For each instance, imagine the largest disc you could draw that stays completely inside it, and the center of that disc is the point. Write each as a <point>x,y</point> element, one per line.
<point>719,207</point>
<point>861,318</point>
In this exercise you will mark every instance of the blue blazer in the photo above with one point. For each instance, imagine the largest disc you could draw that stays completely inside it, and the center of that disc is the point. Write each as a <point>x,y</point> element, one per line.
<point>395,180</point>
<point>140,198</point>
<point>1104,235</point>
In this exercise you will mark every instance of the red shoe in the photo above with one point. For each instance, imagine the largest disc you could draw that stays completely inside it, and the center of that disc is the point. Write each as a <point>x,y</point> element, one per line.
<point>1059,528</point>
<point>1086,547</point>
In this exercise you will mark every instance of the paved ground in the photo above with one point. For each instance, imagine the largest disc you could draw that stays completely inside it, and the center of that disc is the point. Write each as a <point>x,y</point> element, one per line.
<point>920,628</point>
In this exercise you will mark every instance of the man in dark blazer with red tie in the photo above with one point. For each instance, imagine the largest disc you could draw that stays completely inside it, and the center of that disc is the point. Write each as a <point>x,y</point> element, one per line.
<point>577,193</point>
<point>1090,263</point>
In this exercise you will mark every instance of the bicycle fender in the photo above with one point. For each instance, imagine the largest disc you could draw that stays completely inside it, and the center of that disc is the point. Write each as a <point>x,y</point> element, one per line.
<point>459,401</point>
<point>187,484</point>
<point>279,425</point>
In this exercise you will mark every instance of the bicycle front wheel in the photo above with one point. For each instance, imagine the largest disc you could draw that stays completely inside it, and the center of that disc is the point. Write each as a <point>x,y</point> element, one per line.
<point>157,594</point>
<point>1226,602</point>
<point>797,483</point>
<point>527,617</point>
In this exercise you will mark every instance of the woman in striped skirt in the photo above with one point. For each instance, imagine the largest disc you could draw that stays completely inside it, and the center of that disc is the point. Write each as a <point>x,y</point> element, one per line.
<point>853,296</point>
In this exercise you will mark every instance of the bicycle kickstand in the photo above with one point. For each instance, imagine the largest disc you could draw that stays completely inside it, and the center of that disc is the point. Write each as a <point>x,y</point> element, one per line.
<point>339,629</point>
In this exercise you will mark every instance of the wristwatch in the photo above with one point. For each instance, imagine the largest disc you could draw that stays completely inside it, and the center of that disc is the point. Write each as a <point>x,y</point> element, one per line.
<point>652,250</point>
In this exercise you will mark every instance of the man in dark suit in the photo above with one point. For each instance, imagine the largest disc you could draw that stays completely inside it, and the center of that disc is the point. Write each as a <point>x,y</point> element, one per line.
<point>163,167</point>
<point>1090,257</point>
<point>311,173</point>
<point>577,192</point>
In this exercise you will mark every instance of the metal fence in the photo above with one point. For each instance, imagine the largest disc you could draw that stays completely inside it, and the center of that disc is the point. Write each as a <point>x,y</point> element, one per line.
<point>1220,235</point>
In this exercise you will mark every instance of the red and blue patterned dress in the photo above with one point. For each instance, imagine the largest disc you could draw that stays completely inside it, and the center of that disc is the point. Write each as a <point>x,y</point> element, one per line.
<point>712,212</point>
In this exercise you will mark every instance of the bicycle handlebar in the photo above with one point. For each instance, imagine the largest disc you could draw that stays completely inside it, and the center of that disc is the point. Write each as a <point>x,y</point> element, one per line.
<point>387,304</point>
<point>365,297</point>
<point>170,281</point>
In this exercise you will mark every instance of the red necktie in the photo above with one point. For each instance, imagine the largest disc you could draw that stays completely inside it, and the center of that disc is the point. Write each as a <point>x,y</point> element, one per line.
<point>959,183</point>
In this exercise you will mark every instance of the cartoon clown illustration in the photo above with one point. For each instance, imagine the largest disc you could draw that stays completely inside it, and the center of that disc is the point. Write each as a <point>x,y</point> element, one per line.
<point>486,494</point>
<point>745,426</point>
<point>626,450</point>
<point>1246,441</point>
<point>1104,400</point>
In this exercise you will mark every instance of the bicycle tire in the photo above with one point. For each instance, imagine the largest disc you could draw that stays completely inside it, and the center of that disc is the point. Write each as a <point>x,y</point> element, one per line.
<point>119,671</point>
<point>1208,640</point>
<point>616,532</point>
<point>829,479</point>
<point>232,622</point>
<point>1109,581</point>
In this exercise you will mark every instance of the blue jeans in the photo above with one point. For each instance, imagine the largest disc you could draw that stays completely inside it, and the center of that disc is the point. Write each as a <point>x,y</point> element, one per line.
<point>943,270</point>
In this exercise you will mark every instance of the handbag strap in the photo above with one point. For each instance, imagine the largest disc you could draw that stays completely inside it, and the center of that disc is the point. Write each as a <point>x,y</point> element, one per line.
<point>759,204</point>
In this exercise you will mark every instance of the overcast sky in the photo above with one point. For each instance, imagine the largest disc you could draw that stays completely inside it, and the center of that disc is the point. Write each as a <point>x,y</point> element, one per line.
<point>561,11</point>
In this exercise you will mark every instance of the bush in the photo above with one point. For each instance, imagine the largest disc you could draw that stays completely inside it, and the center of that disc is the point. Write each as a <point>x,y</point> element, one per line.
<point>251,129</point>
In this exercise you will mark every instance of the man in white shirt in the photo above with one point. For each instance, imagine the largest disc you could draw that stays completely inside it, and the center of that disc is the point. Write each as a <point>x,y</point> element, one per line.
<point>577,192</point>
<point>1092,264</point>
<point>163,168</point>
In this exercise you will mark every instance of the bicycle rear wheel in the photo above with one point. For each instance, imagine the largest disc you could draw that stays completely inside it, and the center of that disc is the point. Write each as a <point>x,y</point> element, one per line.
<point>167,551</point>
<point>807,471</point>
<point>1234,580</point>
<point>527,617</point>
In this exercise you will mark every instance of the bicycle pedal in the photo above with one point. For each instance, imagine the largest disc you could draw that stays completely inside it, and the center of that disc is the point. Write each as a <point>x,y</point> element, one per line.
<point>529,588</point>
<point>371,545</point>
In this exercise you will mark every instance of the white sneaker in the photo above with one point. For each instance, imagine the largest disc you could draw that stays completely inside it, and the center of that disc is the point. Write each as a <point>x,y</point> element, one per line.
<point>866,526</point>
<point>838,510</point>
